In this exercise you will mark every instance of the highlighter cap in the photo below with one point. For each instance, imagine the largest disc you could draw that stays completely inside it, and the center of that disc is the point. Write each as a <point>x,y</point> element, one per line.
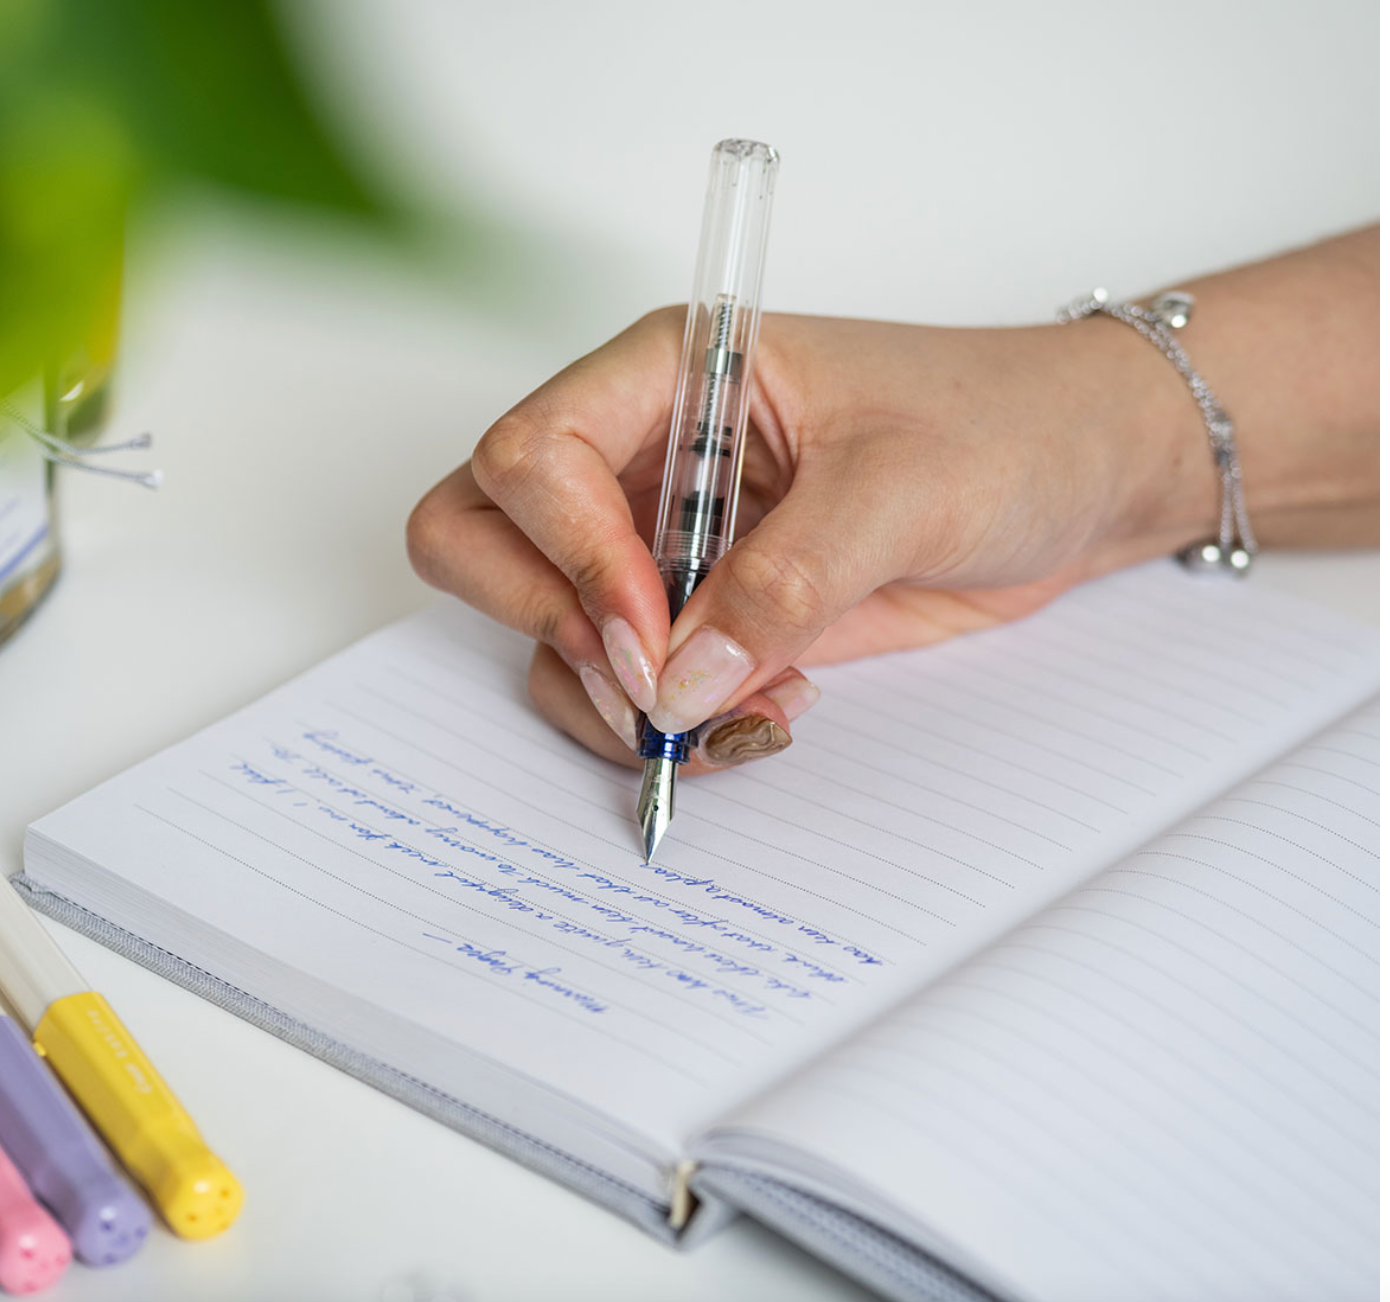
<point>34,1251</point>
<point>191,1185</point>
<point>137,1113</point>
<point>62,1161</point>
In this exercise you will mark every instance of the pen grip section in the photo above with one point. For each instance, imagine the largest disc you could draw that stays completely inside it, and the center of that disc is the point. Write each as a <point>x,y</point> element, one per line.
<point>681,577</point>
<point>139,1115</point>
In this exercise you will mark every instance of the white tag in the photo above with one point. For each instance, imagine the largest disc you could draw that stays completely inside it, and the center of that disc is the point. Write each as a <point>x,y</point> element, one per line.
<point>24,520</point>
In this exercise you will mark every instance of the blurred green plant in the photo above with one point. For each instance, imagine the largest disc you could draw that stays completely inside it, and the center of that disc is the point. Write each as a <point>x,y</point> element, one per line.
<point>108,105</point>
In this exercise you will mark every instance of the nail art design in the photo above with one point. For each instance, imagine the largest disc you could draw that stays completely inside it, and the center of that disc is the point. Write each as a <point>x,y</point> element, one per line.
<point>630,662</point>
<point>708,667</point>
<point>615,709</point>
<point>742,738</point>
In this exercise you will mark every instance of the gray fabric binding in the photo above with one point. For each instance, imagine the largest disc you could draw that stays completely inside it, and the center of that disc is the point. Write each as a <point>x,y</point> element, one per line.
<point>579,1176</point>
<point>880,1260</point>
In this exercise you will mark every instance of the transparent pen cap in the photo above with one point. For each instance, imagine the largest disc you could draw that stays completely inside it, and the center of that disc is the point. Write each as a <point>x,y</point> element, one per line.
<point>705,457</point>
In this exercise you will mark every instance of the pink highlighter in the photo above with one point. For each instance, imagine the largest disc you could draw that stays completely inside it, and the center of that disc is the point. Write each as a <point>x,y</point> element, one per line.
<point>34,1251</point>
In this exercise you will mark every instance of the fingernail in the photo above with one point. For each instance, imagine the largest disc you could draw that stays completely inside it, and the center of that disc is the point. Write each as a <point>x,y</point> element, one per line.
<point>615,709</point>
<point>630,662</point>
<point>795,696</point>
<point>742,738</point>
<point>706,669</point>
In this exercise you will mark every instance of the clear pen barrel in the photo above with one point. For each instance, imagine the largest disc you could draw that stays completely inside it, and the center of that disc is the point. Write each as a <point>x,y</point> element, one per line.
<point>705,458</point>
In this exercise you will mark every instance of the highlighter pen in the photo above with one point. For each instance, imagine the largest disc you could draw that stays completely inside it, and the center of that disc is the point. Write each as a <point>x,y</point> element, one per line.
<point>61,1160</point>
<point>34,1251</point>
<point>111,1079</point>
<point>704,453</point>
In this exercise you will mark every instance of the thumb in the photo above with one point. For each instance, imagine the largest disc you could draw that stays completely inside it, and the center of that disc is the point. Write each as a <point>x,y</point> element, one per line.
<point>809,560</point>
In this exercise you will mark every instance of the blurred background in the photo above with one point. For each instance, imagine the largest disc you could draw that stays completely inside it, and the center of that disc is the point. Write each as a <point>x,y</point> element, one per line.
<point>318,245</point>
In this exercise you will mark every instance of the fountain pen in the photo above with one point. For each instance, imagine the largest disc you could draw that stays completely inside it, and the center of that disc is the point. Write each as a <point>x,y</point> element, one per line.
<point>704,454</point>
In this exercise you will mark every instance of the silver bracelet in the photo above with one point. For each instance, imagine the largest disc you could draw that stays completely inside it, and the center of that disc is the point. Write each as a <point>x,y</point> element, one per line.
<point>1234,546</point>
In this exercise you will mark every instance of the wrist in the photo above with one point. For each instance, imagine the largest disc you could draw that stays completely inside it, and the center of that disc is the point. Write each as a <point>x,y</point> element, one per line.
<point>1150,433</point>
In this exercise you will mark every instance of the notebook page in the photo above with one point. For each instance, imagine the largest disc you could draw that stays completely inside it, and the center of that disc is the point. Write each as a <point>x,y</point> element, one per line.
<point>399,825</point>
<point>1164,1086</point>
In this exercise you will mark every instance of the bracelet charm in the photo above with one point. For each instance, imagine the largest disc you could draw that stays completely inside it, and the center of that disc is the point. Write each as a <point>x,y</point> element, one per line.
<point>1234,547</point>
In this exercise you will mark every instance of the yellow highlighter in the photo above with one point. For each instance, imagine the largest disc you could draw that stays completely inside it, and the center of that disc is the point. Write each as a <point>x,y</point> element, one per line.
<point>112,1081</point>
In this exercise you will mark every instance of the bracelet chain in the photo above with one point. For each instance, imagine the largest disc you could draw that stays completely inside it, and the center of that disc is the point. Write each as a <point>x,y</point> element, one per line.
<point>1234,546</point>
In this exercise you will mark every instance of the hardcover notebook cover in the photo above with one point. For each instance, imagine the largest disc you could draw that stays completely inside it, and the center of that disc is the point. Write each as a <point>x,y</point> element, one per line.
<point>1072,919</point>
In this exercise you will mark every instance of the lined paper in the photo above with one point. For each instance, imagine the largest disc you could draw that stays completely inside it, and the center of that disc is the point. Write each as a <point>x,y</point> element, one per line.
<point>1162,1087</point>
<point>398,826</point>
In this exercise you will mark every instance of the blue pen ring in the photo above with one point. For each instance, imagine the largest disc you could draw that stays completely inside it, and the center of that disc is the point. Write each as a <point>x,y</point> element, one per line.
<point>663,745</point>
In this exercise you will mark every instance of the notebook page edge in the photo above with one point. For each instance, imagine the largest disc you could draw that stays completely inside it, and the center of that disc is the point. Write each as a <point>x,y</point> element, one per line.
<point>548,1159</point>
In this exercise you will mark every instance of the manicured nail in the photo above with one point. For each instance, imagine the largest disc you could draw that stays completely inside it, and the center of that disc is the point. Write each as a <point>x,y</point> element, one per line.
<point>741,738</point>
<point>630,662</point>
<point>795,696</point>
<point>697,679</point>
<point>612,705</point>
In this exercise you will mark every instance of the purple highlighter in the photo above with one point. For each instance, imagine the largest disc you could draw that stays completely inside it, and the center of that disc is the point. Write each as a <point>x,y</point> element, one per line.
<point>62,1160</point>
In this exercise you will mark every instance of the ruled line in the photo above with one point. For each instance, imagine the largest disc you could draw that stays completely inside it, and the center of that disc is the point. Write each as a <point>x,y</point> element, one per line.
<point>801,887</point>
<point>436,958</point>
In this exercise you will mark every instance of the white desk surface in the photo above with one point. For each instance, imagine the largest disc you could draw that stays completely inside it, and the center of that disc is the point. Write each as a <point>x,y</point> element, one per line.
<point>304,395</point>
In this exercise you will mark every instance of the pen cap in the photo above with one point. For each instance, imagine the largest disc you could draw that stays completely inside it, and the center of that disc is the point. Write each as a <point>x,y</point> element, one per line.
<point>128,1101</point>
<point>705,453</point>
<point>61,1160</point>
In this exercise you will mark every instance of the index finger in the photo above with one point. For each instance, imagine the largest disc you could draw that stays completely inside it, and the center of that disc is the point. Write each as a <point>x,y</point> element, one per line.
<point>551,465</point>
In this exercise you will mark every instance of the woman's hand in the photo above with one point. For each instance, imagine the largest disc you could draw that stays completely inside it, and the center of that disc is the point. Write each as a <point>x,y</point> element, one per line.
<point>901,484</point>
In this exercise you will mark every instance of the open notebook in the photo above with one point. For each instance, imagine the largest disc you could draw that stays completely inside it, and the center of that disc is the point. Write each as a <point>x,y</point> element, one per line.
<point>1042,966</point>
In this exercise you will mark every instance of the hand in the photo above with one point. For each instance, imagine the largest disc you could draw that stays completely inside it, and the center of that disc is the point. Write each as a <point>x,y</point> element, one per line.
<point>901,485</point>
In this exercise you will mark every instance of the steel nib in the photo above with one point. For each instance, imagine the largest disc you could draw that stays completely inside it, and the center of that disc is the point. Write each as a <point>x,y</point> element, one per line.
<point>657,802</point>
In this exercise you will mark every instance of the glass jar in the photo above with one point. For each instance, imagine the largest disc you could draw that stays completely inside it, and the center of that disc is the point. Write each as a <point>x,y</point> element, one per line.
<point>30,554</point>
